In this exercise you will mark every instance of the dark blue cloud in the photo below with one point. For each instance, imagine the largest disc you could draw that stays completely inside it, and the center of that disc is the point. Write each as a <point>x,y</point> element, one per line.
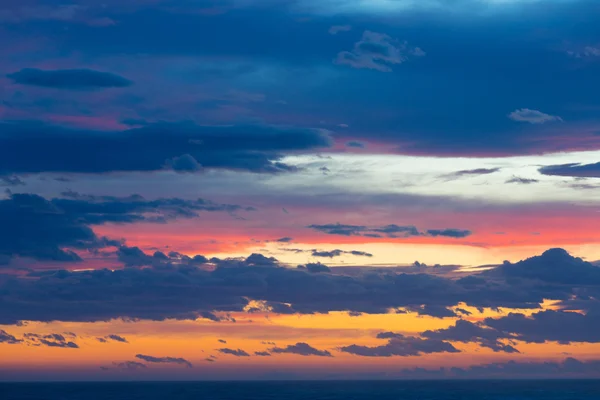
<point>184,147</point>
<point>575,170</point>
<point>69,79</point>
<point>50,229</point>
<point>183,291</point>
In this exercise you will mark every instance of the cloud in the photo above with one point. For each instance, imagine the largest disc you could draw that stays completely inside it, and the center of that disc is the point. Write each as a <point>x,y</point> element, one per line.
<point>553,266</point>
<point>335,29</point>
<point>453,233</point>
<point>355,144</point>
<point>568,368</point>
<point>468,332</point>
<point>390,231</point>
<point>117,338</point>
<point>576,170</point>
<point>377,51</point>
<point>471,172</point>
<point>50,340</point>
<point>315,268</point>
<point>337,253</point>
<point>75,79</point>
<point>6,337</point>
<point>399,345</point>
<point>187,292</point>
<point>550,325</point>
<point>47,230</point>
<point>522,181</point>
<point>182,147</point>
<point>532,116</point>
<point>302,349</point>
<point>233,352</point>
<point>222,341</point>
<point>11,181</point>
<point>129,365</point>
<point>262,353</point>
<point>284,240</point>
<point>165,360</point>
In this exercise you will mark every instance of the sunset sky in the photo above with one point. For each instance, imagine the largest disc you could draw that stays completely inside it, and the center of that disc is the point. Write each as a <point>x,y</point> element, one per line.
<point>299,189</point>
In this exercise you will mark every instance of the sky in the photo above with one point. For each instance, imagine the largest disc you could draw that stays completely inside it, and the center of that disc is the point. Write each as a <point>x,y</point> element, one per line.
<point>299,189</point>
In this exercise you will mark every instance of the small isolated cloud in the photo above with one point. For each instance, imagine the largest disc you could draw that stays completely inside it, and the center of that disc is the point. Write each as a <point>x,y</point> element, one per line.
<point>522,181</point>
<point>377,51</point>
<point>285,239</point>
<point>337,253</point>
<point>75,79</point>
<point>234,352</point>
<point>222,341</point>
<point>532,116</point>
<point>117,338</point>
<point>355,144</point>
<point>262,353</point>
<point>165,360</point>
<point>335,29</point>
<point>303,349</point>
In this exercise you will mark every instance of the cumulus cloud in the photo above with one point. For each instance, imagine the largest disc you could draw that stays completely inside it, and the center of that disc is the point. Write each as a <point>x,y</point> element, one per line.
<point>165,360</point>
<point>390,231</point>
<point>184,147</point>
<point>69,79</point>
<point>377,51</point>
<point>532,116</point>
<point>303,349</point>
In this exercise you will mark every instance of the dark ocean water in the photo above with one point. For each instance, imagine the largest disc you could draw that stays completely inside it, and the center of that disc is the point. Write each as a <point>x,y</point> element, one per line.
<point>340,390</point>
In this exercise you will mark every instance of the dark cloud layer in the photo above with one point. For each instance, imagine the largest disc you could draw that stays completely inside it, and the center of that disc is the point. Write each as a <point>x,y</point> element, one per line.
<point>182,291</point>
<point>234,352</point>
<point>29,147</point>
<point>69,79</point>
<point>49,230</point>
<point>575,170</point>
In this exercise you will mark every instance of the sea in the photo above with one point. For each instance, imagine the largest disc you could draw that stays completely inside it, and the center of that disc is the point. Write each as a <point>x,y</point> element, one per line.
<point>305,390</point>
